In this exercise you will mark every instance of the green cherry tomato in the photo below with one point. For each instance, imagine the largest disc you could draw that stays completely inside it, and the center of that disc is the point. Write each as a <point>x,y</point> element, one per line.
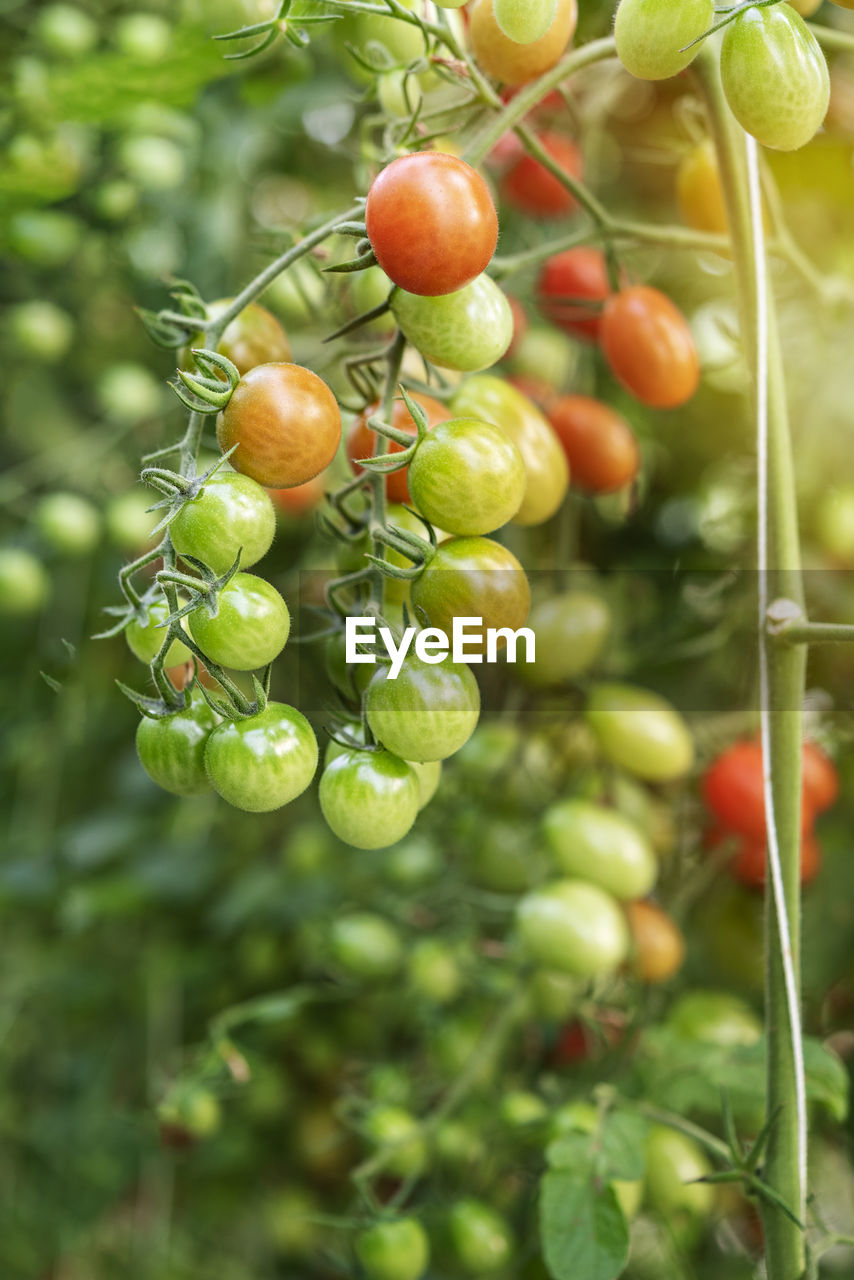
<point>413,863</point>
<point>366,946</point>
<point>570,630</point>
<point>369,798</point>
<point>396,1131</point>
<point>655,39</point>
<point>467,476</point>
<point>24,583</point>
<point>264,761</point>
<point>66,31</point>
<point>674,1162</point>
<point>466,330</point>
<point>251,626</point>
<point>394,1250</point>
<point>480,1237</point>
<point>524,21</point>
<point>640,731</point>
<point>428,774</point>
<point>546,471</point>
<point>434,971</point>
<point>171,749</point>
<point>144,37</point>
<point>574,927</point>
<point>254,337</point>
<point>41,330</point>
<point>474,578</point>
<point>68,523</point>
<point>231,513</point>
<point>427,713</point>
<point>144,641</point>
<point>601,846</point>
<point>714,1017</point>
<point>775,76</point>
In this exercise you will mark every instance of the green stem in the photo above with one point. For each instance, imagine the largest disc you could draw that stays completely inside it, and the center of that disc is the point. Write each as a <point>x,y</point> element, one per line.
<point>783,671</point>
<point>816,633</point>
<point>377,480</point>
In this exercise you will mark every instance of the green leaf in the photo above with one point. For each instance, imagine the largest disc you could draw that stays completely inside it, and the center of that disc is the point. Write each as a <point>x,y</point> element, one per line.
<point>615,1149</point>
<point>584,1232</point>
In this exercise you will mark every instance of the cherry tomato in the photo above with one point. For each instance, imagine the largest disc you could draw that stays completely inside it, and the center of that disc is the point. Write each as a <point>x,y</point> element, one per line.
<point>749,866</point>
<point>428,774</point>
<point>654,40</point>
<point>68,523</point>
<point>264,761</point>
<point>188,1113</point>
<point>301,499</point>
<point>714,1017</point>
<point>364,443</point>
<point>480,1237</point>
<point>24,583</point>
<point>396,1250</point>
<point>431,223</point>
<point>571,287</point>
<point>369,798</point>
<point>467,476</point>
<point>602,846</point>
<point>231,514</point>
<point>507,60</point>
<point>640,731</point>
<point>145,641</point>
<point>434,972</point>
<point>571,629</point>
<point>467,330</point>
<point>473,578</point>
<point>530,187</point>
<point>494,400</point>
<point>733,789</point>
<point>574,927</point>
<point>775,76</point>
<point>820,778</point>
<point>366,945</point>
<point>254,337</point>
<point>40,330</point>
<point>658,944</point>
<point>66,31</point>
<point>285,422</point>
<point>674,1162</point>
<point>427,713</point>
<point>171,749</point>
<point>395,1132</point>
<point>251,626</point>
<point>600,446</point>
<point>546,356</point>
<point>520,323</point>
<point>649,346</point>
<point>699,190</point>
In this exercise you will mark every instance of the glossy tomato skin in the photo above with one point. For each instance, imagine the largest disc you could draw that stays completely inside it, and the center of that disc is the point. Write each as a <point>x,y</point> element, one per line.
<point>254,337</point>
<point>658,944</point>
<point>733,789</point>
<point>572,926</point>
<point>396,1250</point>
<point>571,628</point>
<point>362,442</point>
<point>171,750</point>
<point>656,40</point>
<point>547,474</point>
<point>572,287</point>
<point>285,422</point>
<point>640,731</point>
<point>530,187</point>
<point>467,477</point>
<point>369,798</point>
<point>263,762</point>
<point>431,223</point>
<point>480,1237</point>
<point>600,446</point>
<point>472,578</point>
<point>251,626</point>
<point>650,348</point>
<point>231,514</point>
<point>514,63</point>
<point>775,76</point>
<point>467,330</point>
<point>145,642</point>
<point>600,845</point>
<point>427,713</point>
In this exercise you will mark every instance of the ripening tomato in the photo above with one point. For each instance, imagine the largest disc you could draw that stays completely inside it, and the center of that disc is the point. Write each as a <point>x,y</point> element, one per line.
<point>396,1134</point>
<point>571,289</point>
<point>467,476</point>
<point>433,971</point>
<point>254,337</point>
<point>733,789</point>
<point>601,846</point>
<point>230,514</point>
<point>524,20</point>
<point>699,190</point>
<point>431,223</point>
<point>648,344</point>
<point>640,731</point>
<point>656,40</point>
<point>775,76</point>
<point>658,944</point>
<point>573,926</point>
<point>820,778</point>
<point>369,798</point>
<point>285,422</point>
<point>250,628</point>
<point>427,713</point>
<point>263,761</point>
<point>467,330</point>
<point>714,1017</point>
<point>362,442</point>
<point>495,400</point>
<point>530,187</point>
<point>749,864</point>
<point>570,630</point>
<point>472,578</point>
<point>514,63</point>
<point>171,749</point>
<point>600,446</point>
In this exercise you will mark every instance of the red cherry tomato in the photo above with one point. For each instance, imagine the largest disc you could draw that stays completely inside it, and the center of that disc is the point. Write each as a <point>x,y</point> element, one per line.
<point>650,348</point>
<point>571,289</point>
<point>734,794</point>
<point>820,779</point>
<point>748,865</point>
<point>530,187</point>
<point>362,442</point>
<point>602,452</point>
<point>431,223</point>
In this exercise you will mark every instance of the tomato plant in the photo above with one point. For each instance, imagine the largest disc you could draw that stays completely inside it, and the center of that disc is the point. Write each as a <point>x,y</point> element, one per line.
<point>365,946</point>
<point>505,58</point>
<point>574,927</point>
<point>145,640</point>
<point>427,713</point>
<point>640,731</point>
<point>480,1237</point>
<point>466,330</point>
<point>467,476</point>
<point>369,798</point>
<point>601,846</point>
<point>658,944</point>
<point>571,629</point>
<point>172,748</point>
<point>252,338</point>
<point>649,346</point>
<point>473,578</point>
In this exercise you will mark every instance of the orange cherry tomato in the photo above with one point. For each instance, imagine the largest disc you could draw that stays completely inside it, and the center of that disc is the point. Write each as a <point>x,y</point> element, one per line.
<point>649,346</point>
<point>514,63</point>
<point>601,449</point>
<point>658,945</point>
<point>302,498</point>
